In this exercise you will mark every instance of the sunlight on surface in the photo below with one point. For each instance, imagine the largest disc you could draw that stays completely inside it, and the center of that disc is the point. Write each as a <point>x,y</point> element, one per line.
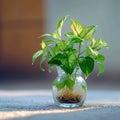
<point>21,114</point>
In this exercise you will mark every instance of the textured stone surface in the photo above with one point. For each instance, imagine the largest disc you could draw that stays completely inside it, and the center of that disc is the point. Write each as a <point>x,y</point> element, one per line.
<point>39,105</point>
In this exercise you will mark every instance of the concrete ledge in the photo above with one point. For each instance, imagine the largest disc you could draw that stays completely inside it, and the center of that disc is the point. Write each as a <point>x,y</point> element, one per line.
<point>38,104</point>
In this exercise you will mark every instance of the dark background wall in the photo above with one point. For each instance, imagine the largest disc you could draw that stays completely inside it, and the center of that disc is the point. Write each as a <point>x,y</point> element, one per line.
<point>21,21</point>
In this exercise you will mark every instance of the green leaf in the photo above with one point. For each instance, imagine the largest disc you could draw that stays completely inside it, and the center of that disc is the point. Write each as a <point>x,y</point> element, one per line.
<point>72,41</point>
<point>60,24</point>
<point>69,83</point>
<point>50,51</point>
<point>56,60</point>
<point>56,35</point>
<point>72,62</point>
<point>36,55</point>
<point>102,43</point>
<point>43,45</point>
<point>62,82</point>
<point>93,42</point>
<point>88,51</point>
<point>76,27</point>
<point>88,32</point>
<point>101,68</point>
<point>99,44</point>
<point>69,34</point>
<point>48,41</point>
<point>59,83</point>
<point>94,54</point>
<point>100,58</point>
<point>76,40</point>
<point>44,57</point>
<point>66,61</point>
<point>91,52</point>
<point>86,64</point>
<point>45,35</point>
<point>62,45</point>
<point>55,49</point>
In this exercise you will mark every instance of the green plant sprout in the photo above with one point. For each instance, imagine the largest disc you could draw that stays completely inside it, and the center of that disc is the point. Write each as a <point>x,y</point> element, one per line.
<point>79,50</point>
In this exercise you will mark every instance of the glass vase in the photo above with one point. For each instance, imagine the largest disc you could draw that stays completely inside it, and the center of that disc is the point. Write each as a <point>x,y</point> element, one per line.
<point>69,93</point>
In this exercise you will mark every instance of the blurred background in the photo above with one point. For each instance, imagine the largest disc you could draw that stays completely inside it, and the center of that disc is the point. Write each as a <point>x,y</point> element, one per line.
<point>22,21</point>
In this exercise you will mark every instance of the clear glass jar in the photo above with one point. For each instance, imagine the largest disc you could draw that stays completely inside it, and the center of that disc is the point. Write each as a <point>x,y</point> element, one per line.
<point>69,97</point>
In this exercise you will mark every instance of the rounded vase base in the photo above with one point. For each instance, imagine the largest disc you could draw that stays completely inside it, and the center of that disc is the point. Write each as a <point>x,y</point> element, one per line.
<point>69,105</point>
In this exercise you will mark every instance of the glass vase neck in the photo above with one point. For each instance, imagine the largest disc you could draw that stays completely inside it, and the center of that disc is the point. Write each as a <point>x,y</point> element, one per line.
<point>61,72</point>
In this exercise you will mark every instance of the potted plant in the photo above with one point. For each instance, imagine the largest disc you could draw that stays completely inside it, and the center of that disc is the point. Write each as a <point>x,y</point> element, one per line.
<point>72,53</point>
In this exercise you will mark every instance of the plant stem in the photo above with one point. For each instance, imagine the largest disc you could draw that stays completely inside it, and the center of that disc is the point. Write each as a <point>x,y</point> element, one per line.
<point>77,68</point>
<point>51,51</point>
<point>79,47</point>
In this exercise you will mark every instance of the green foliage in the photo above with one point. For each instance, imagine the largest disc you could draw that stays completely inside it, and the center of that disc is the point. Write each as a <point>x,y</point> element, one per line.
<point>100,67</point>
<point>72,51</point>
<point>98,44</point>
<point>36,55</point>
<point>86,64</point>
<point>64,81</point>
<point>60,24</point>
<point>76,27</point>
<point>67,61</point>
<point>88,32</point>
